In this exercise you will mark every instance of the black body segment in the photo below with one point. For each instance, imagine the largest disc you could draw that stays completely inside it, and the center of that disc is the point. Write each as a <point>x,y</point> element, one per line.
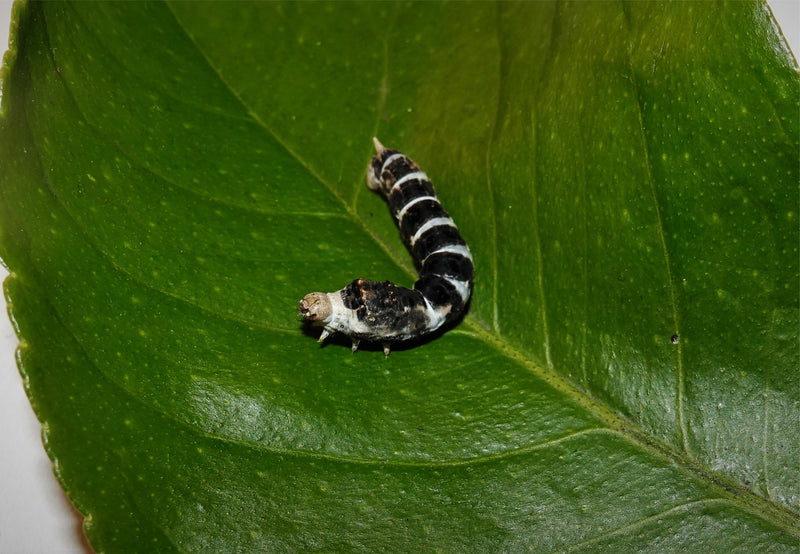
<point>383,311</point>
<point>407,192</point>
<point>432,240</point>
<point>386,306</point>
<point>439,291</point>
<point>447,265</point>
<point>418,214</point>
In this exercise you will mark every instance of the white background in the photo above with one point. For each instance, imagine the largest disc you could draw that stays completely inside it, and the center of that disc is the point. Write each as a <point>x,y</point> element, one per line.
<point>35,515</point>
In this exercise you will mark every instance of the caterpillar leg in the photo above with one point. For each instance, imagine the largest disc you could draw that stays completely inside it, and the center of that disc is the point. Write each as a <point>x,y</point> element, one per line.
<point>386,349</point>
<point>354,348</point>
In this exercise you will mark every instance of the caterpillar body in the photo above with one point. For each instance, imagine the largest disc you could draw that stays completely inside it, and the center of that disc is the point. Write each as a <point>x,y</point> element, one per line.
<point>385,312</point>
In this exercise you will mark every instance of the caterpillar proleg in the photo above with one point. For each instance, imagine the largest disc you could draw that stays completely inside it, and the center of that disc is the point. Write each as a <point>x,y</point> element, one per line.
<point>385,312</point>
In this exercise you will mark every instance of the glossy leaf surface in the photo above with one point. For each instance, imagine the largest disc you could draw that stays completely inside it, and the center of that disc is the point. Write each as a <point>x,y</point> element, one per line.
<point>176,176</point>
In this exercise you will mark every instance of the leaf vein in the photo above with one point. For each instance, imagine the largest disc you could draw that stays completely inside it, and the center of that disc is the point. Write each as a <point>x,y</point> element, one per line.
<point>680,393</point>
<point>628,528</point>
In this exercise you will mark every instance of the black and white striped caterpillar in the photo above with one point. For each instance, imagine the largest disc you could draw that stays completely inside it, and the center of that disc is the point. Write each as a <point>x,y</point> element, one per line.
<point>383,311</point>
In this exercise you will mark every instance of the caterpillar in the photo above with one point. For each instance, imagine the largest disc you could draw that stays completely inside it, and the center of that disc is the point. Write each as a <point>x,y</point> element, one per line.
<point>382,311</point>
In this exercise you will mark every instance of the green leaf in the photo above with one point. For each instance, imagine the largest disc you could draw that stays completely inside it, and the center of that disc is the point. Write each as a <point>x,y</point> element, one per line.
<point>176,176</point>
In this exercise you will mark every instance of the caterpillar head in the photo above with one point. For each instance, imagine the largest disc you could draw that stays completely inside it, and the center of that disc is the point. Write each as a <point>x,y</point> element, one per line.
<point>316,307</point>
